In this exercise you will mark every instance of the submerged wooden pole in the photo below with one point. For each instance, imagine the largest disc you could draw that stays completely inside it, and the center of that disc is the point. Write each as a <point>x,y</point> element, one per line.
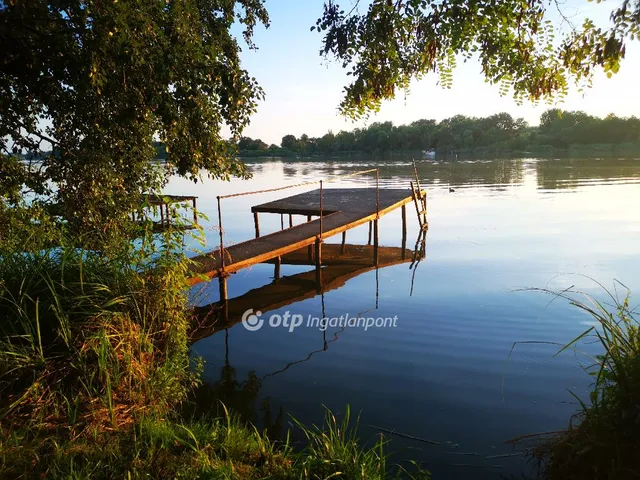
<point>404,231</point>
<point>256,222</point>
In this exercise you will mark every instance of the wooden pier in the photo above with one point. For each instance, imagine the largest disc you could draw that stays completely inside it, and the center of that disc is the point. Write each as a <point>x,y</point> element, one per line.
<point>342,210</point>
<point>337,210</point>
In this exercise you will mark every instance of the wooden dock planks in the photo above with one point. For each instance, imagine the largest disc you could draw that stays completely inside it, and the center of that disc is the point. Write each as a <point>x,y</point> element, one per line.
<point>343,209</point>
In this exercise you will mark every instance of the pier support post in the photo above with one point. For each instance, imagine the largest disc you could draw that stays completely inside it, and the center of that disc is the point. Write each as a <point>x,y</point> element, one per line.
<point>309,248</point>
<point>318,252</point>
<point>369,241</point>
<point>224,296</point>
<point>344,240</point>
<point>290,220</point>
<point>375,242</point>
<point>276,268</point>
<point>319,263</point>
<point>257,223</point>
<point>195,212</point>
<point>404,231</point>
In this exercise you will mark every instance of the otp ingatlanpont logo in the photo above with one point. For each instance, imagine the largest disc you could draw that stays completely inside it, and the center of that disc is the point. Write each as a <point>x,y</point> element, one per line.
<point>252,321</point>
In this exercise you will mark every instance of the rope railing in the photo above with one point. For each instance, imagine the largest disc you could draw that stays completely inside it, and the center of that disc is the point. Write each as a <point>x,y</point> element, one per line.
<point>320,182</point>
<point>231,195</point>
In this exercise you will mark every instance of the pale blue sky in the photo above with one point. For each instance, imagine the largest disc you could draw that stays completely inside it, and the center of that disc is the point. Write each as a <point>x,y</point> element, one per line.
<point>303,90</point>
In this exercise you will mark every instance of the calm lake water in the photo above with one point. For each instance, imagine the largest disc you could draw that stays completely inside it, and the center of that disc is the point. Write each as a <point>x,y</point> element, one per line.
<point>444,373</point>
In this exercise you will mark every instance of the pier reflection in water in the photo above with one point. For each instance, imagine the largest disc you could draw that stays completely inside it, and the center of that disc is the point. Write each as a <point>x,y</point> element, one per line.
<point>341,264</point>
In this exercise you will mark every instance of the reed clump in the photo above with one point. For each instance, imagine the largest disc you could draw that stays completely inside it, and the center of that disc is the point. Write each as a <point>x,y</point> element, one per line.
<point>603,440</point>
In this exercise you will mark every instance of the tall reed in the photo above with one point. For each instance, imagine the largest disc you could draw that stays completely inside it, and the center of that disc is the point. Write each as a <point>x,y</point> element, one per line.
<point>603,439</point>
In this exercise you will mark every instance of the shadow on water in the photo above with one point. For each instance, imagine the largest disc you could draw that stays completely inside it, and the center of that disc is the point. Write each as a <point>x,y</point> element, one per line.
<point>341,263</point>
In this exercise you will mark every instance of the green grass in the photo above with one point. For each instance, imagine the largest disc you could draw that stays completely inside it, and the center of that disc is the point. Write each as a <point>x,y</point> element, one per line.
<point>603,440</point>
<point>95,378</point>
<point>221,448</point>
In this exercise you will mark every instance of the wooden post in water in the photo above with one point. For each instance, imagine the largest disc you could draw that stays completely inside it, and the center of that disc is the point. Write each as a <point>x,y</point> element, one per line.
<point>223,275</point>
<point>318,265</point>
<point>375,242</point>
<point>290,220</point>
<point>375,224</point>
<point>404,232</point>
<point>344,239</point>
<point>309,248</point>
<point>319,239</point>
<point>319,244</point>
<point>369,241</point>
<point>276,268</point>
<point>223,288</point>
<point>256,222</point>
<point>195,212</point>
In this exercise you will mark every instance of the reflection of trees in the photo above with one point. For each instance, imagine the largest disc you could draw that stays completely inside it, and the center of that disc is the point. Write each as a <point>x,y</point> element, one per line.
<point>238,396</point>
<point>569,173</point>
<point>492,172</point>
<point>551,174</point>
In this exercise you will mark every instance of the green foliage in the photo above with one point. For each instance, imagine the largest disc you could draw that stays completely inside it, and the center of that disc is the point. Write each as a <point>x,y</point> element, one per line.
<point>603,441</point>
<point>89,342</point>
<point>94,83</point>
<point>396,41</point>
<point>500,132</point>
<point>221,448</point>
<point>335,447</point>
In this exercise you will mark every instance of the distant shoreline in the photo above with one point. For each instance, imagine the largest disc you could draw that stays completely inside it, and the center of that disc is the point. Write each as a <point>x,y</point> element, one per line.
<point>607,151</point>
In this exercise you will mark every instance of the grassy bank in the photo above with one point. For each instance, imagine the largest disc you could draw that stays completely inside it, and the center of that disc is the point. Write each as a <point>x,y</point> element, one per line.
<point>95,377</point>
<point>603,440</point>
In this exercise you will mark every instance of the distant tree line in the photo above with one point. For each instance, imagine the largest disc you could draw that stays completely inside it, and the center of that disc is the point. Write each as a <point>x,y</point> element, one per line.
<point>558,130</point>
